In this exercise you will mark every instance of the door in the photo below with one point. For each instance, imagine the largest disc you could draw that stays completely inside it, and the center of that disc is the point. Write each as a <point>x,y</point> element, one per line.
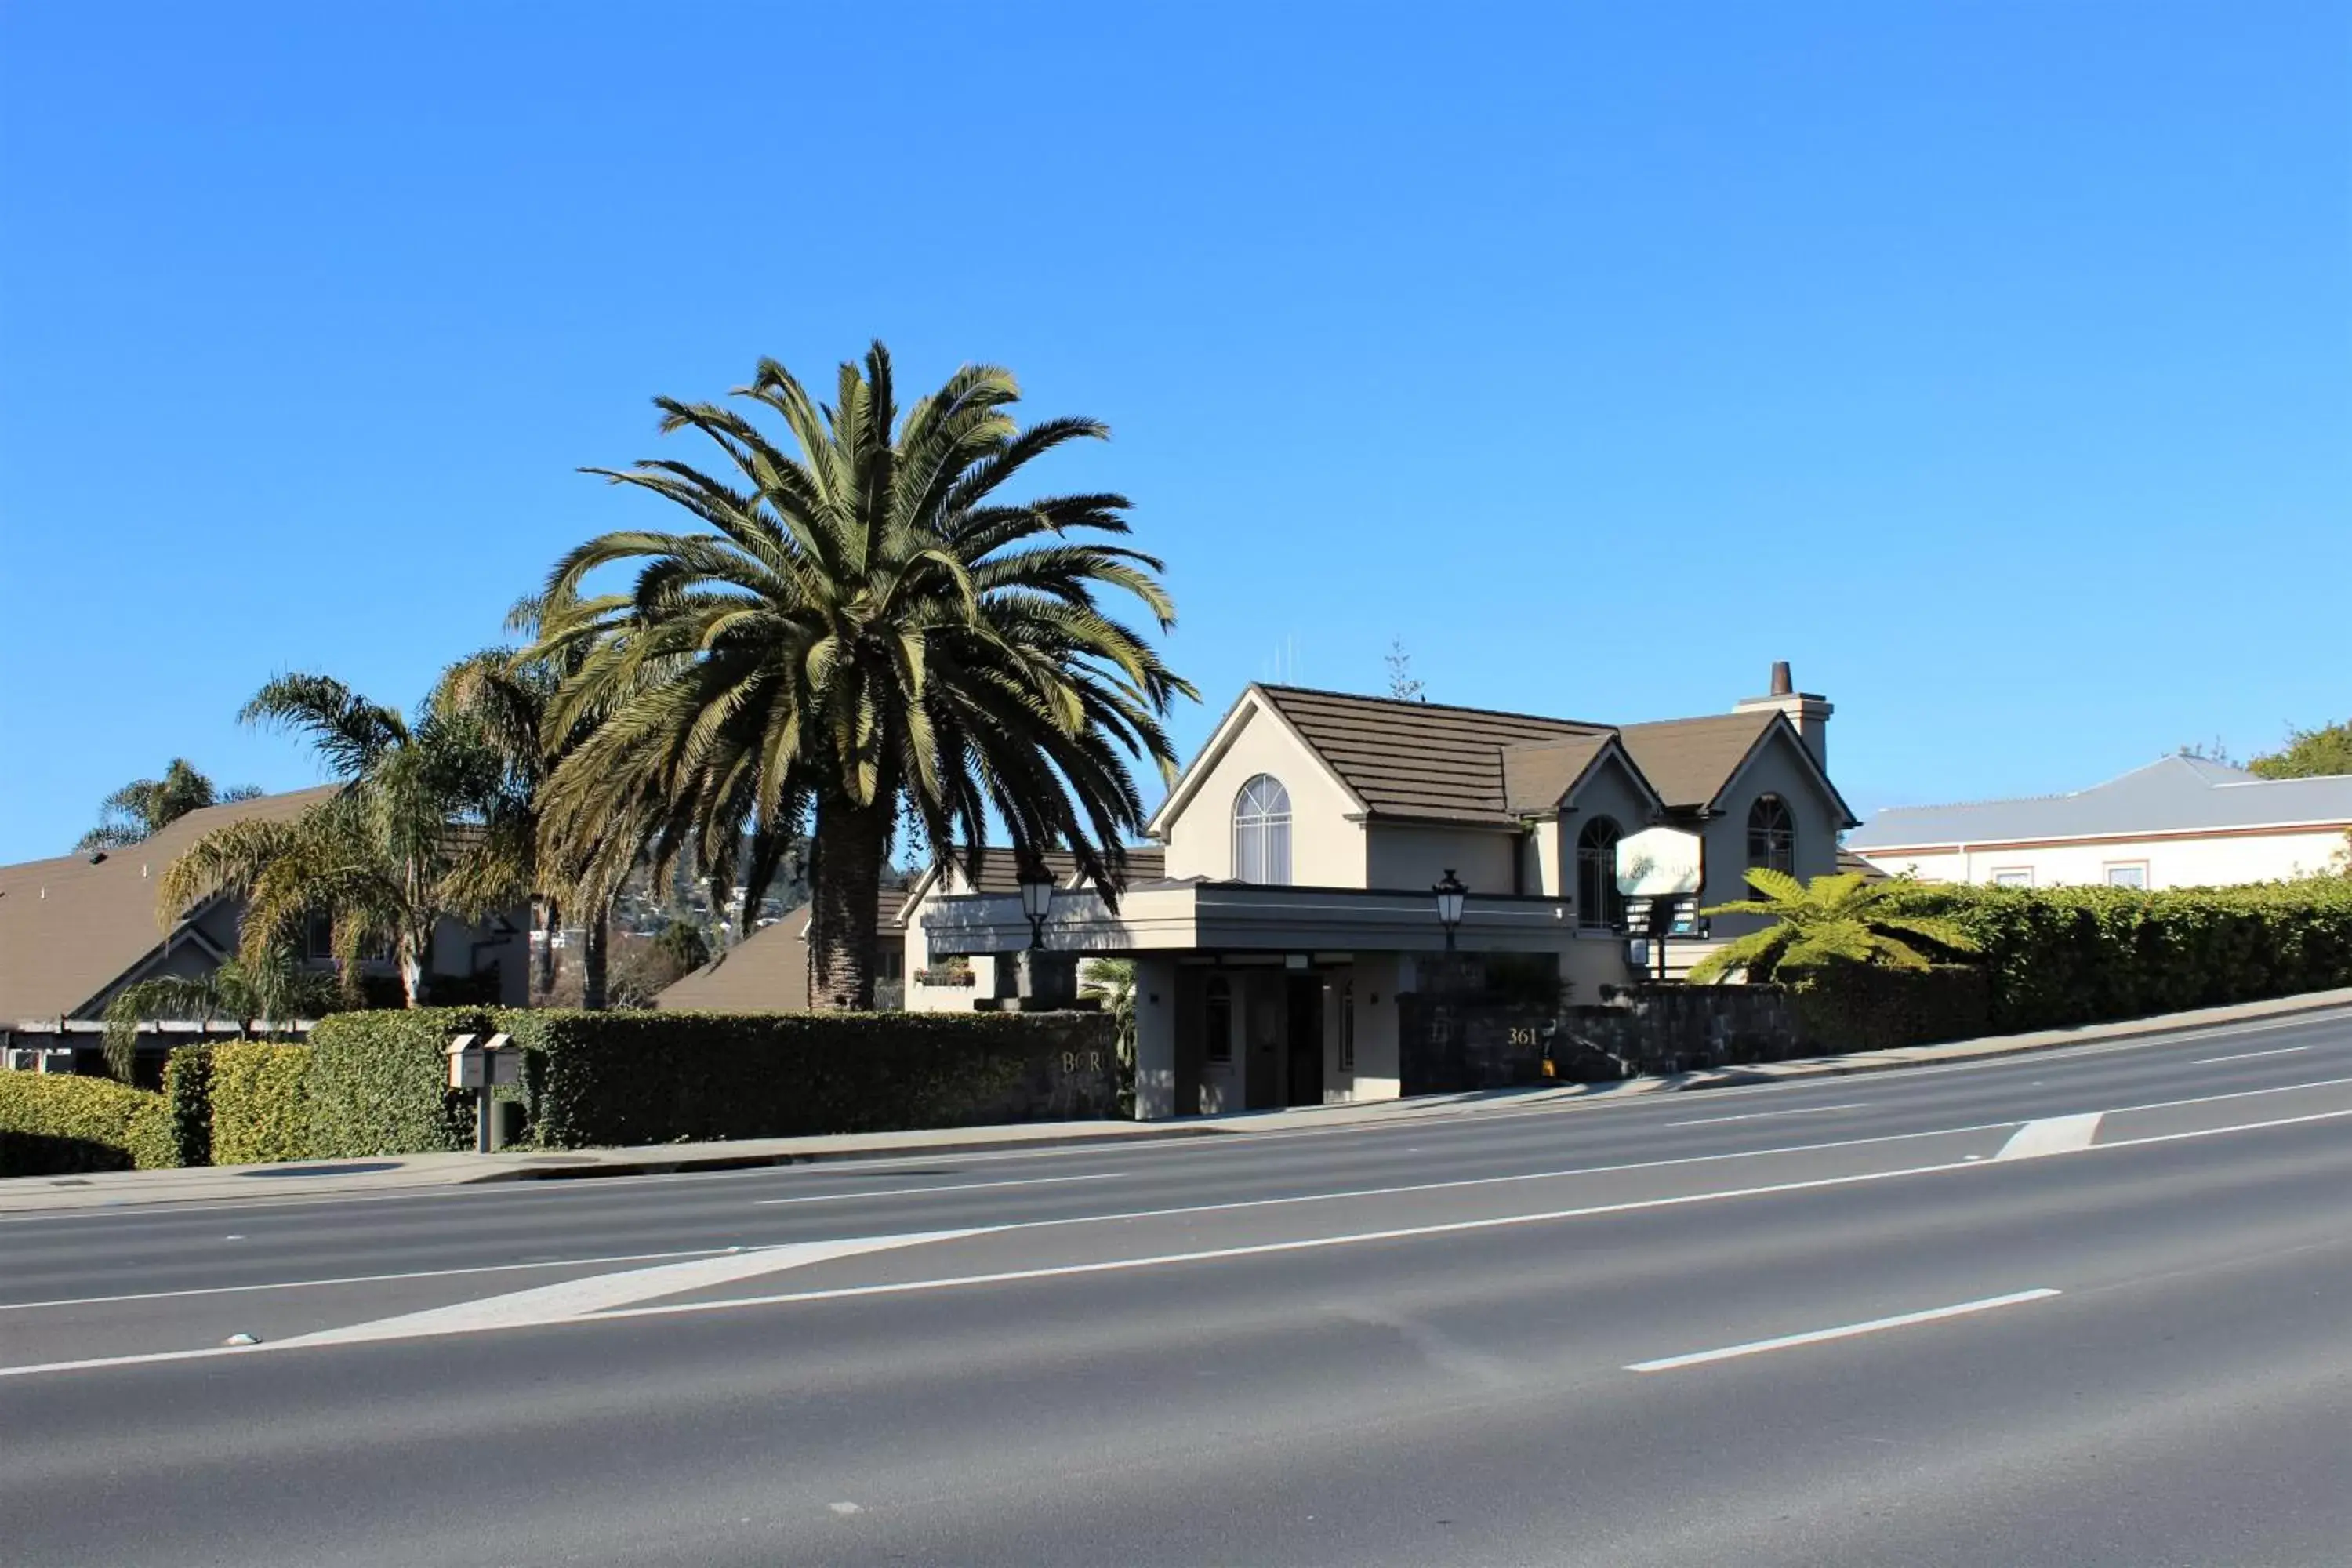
<point>1303,1037</point>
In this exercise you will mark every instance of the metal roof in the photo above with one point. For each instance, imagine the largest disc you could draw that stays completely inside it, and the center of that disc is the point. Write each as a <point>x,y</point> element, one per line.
<point>2176,794</point>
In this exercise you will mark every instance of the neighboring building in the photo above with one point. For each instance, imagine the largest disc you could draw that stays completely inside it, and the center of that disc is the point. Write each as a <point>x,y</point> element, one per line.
<point>2179,822</point>
<point>961,984</point>
<point>78,929</point>
<point>768,970</point>
<point>1303,842</point>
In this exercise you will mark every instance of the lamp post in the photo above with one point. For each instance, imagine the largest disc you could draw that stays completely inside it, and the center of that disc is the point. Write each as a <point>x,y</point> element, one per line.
<point>1036,901</point>
<point>1449,904</point>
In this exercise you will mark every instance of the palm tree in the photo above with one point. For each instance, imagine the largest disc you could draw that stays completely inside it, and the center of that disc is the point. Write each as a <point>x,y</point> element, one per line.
<point>277,990</point>
<point>143,807</point>
<point>1839,919</point>
<point>861,634</point>
<point>425,826</point>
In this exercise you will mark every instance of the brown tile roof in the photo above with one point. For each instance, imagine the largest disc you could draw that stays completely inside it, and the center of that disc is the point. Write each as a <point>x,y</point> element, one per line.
<point>1688,760</point>
<point>999,869</point>
<point>1847,861</point>
<point>1419,759</point>
<point>70,929</point>
<point>1536,776</point>
<point>767,971</point>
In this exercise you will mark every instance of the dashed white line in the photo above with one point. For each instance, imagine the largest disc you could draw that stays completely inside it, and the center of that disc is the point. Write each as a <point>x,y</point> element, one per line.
<point>929,1192</point>
<point>1762,1115</point>
<point>1845,1331</point>
<point>2248,1055</point>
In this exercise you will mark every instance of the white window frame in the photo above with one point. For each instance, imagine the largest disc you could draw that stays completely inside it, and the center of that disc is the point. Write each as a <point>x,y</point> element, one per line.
<point>2013,876</point>
<point>2107,873</point>
<point>1261,833</point>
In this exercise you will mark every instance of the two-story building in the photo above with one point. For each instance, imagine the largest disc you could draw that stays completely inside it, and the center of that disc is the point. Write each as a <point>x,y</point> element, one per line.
<point>1302,843</point>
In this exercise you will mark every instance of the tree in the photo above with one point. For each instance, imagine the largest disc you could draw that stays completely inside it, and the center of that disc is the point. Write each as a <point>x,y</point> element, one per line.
<point>1110,983</point>
<point>2308,753</point>
<point>277,991</point>
<point>425,826</point>
<point>860,630</point>
<point>143,807</point>
<point>1404,685</point>
<point>1838,918</point>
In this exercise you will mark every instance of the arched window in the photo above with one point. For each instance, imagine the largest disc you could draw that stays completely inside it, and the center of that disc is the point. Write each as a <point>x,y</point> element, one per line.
<point>1262,832</point>
<point>1217,1020</point>
<point>1598,901</point>
<point>1772,836</point>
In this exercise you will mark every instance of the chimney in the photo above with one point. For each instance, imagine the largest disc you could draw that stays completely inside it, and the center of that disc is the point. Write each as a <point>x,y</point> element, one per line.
<point>1808,712</point>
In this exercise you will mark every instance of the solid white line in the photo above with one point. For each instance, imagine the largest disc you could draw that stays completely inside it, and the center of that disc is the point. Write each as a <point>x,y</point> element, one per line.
<point>1786,1341</point>
<point>2248,1055</point>
<point>2052,1135</point>
<point>1761,1115</point>
<point>927,1192</point>
<point>364,1278</point>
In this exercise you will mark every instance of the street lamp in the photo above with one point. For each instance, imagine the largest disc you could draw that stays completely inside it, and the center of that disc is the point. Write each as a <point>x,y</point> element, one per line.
<point>1449,904</point>
<point>1036,901</point>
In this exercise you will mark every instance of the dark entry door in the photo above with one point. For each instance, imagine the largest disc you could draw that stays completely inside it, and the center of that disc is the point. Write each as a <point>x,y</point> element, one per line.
<point>1304,1036</point>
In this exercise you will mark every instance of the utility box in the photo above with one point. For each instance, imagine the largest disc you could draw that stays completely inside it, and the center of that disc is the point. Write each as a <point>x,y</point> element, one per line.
<point>494,1063</point>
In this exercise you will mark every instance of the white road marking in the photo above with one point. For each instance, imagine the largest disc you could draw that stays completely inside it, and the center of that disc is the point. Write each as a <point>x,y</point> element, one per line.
<point>927,1192</point>
<point>1787,1342</point>
<point>2052,1135</point>
<point>2249,1056</point>
<point>577,1297</point>
<point>1307,1244</point>
<point>361,1279</point>
<point>1761,1115</point>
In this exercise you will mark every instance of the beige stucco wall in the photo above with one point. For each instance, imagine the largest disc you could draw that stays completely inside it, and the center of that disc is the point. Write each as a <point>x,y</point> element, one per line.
<point>2170,862</point>
<point>1606,792</point>
<point>1326,850</point>
<point>1409,859</point>
<point>1781,768</point>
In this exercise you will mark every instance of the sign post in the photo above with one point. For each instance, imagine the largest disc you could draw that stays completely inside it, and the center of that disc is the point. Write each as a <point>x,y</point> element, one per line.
<point>1664,868</point>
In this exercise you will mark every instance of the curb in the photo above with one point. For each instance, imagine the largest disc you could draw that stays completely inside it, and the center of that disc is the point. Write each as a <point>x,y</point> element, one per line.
<point>587,1167</point>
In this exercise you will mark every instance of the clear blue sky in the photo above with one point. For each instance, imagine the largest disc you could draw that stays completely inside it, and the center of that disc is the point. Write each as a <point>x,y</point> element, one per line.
<point>1991,362</point>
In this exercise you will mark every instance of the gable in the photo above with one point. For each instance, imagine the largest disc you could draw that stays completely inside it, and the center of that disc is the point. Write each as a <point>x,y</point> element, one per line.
<point>1779,764</point>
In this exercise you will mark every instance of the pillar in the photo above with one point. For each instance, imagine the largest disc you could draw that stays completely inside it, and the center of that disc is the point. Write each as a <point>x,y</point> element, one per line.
<point>1155,1038</point>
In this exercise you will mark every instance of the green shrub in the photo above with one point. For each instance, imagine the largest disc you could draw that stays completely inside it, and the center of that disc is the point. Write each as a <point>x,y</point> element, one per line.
<point>602,1078</point>
<point>1865,1007</point>
<point>57,1124</point>
<point>379,1082</point>
<point>188,1094</point>
<point>258,1100</point>
<point>2057,957</point>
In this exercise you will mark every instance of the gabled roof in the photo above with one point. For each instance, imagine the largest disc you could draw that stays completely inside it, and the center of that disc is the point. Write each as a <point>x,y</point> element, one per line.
<point>2174,794</point>
<point>1424,760</point>
<point>767,971</point>
<point>74,927</point>
<point>1688,760</point>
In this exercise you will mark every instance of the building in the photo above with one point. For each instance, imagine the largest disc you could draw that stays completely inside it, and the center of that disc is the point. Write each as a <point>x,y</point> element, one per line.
<point>962,983</point>
<point>767,971</point>
<point>1301,845</point>
<point>2177,823</point>
<point>76,930</point>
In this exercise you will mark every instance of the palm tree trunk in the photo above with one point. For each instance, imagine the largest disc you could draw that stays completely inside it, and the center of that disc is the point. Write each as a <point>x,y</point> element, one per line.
<point>850,843</point>
<point>551,921</point>
<point>592,957</point>
<point>412,958</point>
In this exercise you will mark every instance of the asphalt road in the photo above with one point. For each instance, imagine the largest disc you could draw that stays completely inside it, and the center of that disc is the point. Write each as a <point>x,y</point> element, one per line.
<point>2091,1306</point>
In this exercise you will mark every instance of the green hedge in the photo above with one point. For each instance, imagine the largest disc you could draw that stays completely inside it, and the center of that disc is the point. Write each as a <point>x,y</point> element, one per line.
<point>188,1095</point>
<point>1857,1007</point>
<point>602,1078</point>
<point>2056,957</point>
<point>58,1124</point>
<point>379,1082</point>
<point>260,1116</point>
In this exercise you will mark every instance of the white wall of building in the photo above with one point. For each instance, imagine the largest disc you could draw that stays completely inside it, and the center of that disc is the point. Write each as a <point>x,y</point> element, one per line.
<point>2201,860</point>
<point>1326,850</point>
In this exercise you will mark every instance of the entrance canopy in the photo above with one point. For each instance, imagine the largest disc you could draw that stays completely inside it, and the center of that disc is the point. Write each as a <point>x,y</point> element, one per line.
<point>1236,917</point>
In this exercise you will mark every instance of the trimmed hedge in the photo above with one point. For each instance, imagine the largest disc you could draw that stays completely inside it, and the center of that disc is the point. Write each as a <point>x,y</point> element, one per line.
<point>2056,957</point>
<point>188,1097</point>
<point>1860,1007</point>
<point>602,1078</point>
<point>58,1124</point>
<point>260,1116</point>
<point>379,1082</point>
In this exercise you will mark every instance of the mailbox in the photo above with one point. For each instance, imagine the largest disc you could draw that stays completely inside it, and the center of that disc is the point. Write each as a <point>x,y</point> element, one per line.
<point>495,1063</point>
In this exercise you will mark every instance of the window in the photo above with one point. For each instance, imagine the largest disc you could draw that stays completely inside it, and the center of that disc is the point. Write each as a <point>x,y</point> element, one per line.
<point>1599,904</point>
<point>1261,833</point>
<point>319,936</point>
<point>1347,1026</point>
<point>2127,874</point>
<point>1772,836</point>
<point>2014,876</point>
<point>1218,1019</point>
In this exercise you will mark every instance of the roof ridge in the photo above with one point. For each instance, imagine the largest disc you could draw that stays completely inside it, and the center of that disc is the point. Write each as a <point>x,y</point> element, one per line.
<point>1419,705</point>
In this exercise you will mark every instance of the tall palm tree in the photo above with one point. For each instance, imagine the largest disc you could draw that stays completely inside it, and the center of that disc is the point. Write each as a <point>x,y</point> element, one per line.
<point>1838,918</point>
<point>859,632</point>
<point>143,807</point>
<point>425,826</point>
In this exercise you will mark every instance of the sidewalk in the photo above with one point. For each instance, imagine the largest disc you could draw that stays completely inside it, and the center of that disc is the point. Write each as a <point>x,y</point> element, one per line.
<point>393,1173</point>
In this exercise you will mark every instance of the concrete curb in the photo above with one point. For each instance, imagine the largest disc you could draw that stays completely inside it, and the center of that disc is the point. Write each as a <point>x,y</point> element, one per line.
<point>588,1165</point>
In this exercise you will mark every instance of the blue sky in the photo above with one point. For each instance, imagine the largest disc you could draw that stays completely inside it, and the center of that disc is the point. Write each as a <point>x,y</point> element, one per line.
<point>1991,362</point>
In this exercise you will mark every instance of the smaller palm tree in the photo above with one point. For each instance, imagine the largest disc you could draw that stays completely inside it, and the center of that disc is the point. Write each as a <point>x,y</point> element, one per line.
<point>144,807</point>
<point>275,991</point>
<point>1843,918</point>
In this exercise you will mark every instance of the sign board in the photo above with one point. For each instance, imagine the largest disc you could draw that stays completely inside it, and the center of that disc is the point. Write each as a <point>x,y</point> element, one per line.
<point>1659,863</point>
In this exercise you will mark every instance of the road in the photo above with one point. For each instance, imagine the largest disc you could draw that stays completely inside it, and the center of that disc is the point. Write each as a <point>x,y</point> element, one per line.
<point>2091,1307</point>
